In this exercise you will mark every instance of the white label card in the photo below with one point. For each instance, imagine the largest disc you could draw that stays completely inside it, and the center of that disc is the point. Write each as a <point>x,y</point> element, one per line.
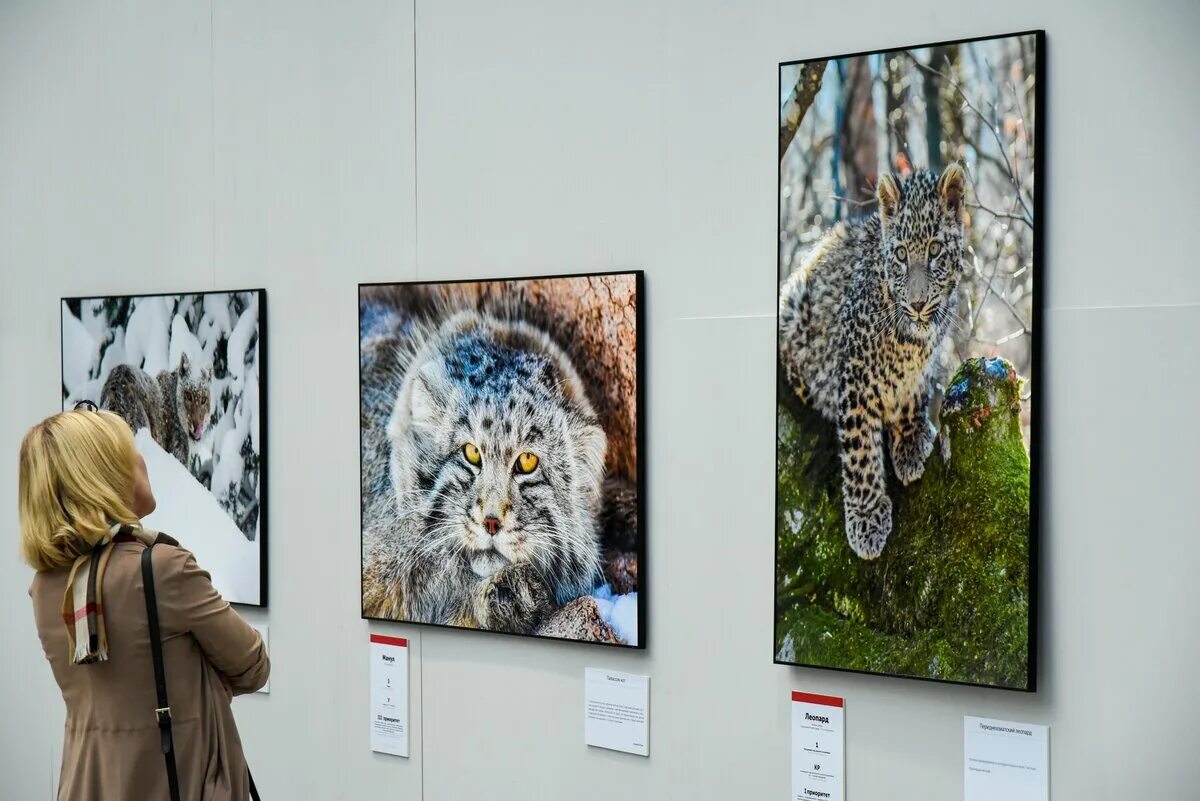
<point>1005,761</point>
<point>389,695</point>
<point>818,747</point>
<point>264,631</point>
<point>616,711</point>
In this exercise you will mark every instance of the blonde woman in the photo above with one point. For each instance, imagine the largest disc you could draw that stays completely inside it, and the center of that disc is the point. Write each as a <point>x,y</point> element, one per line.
<point>83,491</point>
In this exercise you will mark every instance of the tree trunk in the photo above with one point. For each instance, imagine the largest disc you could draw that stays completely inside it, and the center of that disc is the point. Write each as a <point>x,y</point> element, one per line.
<point>860,153</point>
<point>897,121</point>
<point>933,108</point>
<point>949,597</point>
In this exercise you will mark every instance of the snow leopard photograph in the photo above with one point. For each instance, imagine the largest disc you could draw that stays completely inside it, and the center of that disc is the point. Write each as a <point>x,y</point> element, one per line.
<point>501,437</point>
<point>188,373</point>
<point>907,393</point>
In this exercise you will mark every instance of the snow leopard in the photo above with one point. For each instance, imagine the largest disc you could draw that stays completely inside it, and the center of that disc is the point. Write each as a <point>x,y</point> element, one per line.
<point>862,323</point>
<point>485,486</point>
<point>175,405</point>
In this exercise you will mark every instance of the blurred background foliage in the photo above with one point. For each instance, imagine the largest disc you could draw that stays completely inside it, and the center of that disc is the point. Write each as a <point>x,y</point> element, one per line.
<point>844,122</point>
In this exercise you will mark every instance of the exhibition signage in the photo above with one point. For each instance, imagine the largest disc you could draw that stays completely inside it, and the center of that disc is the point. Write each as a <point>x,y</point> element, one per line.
<point>1005,761</point>
<point>818,747</point>
<point>389,695</point>
<point>616,707</point>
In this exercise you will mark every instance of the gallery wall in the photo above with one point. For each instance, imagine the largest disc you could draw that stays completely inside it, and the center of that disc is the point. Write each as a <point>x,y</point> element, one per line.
<point>304,147</point>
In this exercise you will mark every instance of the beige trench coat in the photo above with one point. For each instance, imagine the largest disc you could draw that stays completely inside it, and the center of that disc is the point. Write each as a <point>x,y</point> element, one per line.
<point>111,747</point>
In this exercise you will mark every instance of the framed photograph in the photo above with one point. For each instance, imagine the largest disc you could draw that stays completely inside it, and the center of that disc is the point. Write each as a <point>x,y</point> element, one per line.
<point>188,373</point>
<point>501,438</point>
<point>907,404</point>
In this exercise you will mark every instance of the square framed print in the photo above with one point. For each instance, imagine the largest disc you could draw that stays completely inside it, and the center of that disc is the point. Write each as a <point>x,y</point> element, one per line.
<point>501,443</point>
<point>188,373</point>
<point>908,342</point>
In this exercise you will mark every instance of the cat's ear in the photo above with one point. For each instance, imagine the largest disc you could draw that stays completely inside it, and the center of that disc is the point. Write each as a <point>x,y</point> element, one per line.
<point>890,196</point>
<point>183,363</point>
<point>591,449</point>
<point>951,188</point>
<point>426,398</point>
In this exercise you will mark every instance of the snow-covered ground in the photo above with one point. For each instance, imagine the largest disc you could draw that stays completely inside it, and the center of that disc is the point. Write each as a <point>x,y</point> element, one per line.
<point>189,513</point>
<point>619,611</point>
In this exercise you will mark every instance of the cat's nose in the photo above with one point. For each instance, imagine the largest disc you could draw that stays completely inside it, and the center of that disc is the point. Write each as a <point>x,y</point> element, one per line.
<point>917,305</point>
<point>493,524</point>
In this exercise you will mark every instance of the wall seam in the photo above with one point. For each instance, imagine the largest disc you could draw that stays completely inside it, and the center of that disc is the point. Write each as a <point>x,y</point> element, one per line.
<point>212,137</point>
<point>417,274</point>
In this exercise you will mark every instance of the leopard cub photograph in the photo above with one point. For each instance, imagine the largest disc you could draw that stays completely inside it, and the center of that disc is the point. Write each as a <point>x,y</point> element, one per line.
<point>862,323</point>
<point>907,332</point>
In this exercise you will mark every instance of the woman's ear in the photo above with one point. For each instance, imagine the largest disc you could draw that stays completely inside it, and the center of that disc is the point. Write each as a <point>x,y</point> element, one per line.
<point>951,188</point>
<point>144,502</point>
<point>890,196</point>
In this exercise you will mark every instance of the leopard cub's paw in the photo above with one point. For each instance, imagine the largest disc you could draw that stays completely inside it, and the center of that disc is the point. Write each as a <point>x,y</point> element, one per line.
<point>910,453</point>
<point>868,527</point>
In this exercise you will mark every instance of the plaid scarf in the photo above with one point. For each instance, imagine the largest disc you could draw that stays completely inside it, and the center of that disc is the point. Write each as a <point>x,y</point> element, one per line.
<point>83,606</point>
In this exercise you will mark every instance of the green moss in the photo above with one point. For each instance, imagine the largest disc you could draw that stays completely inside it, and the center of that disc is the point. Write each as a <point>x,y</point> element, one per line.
<point>949,596</point>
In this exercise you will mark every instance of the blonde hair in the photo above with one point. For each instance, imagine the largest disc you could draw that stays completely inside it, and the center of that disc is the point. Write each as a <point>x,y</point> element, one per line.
<point>76,481</point>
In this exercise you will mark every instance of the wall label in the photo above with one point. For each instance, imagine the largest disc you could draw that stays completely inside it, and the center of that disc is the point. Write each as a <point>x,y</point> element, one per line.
<point>616,711</point>
<point>389,695</point>
<point>818,747</point>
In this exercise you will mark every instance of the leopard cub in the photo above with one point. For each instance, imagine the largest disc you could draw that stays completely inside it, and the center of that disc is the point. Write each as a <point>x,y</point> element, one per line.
<point>861,325</point>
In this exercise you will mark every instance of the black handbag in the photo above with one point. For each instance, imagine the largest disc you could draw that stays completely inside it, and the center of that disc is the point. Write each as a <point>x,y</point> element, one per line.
<point>163,710</point>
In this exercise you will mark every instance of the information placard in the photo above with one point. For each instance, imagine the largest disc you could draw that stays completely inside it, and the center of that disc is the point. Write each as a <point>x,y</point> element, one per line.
<point>264,631</point>
<point>818,747</point>
<point>389,695</point>
<point>1005,761</point>
<point>616,711</point>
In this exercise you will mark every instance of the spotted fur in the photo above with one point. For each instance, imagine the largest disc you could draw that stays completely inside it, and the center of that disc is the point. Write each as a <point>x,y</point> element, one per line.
<point>506,388</point>
<point>861,324</point>
<point>175,405</point>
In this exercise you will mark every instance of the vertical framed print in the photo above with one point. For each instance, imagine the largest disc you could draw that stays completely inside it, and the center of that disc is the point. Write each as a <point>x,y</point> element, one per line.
<point>188,373</point>
<point>909,325</point>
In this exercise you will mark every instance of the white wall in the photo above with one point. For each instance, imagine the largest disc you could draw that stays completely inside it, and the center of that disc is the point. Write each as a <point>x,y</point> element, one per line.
<point>307,146</point>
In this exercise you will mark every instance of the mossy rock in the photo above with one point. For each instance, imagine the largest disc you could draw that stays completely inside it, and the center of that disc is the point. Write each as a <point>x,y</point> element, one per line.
<point>949,596</point>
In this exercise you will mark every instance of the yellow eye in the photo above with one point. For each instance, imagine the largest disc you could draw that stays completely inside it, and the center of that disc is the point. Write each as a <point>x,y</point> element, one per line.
<point>935,249</point>
<point>901,253</point>
<point>526,462</point>
<point>472,454</point>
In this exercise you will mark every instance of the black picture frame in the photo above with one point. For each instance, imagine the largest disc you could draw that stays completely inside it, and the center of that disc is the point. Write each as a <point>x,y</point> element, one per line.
<point>639,436</point>
<point>1035,373</point>
<point>263,412</point>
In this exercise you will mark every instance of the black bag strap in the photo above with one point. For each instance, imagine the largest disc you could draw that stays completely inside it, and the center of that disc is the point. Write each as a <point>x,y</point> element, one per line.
<point>163,711</point>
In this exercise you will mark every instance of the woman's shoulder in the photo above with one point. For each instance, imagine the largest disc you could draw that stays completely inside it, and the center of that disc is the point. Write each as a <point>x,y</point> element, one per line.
<point>48,581</point>
<point>169,559</point>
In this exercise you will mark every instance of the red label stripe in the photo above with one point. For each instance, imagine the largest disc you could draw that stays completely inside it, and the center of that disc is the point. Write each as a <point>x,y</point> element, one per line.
<point>82,613</point>
<point>384,640</point>
<point>813,698</point>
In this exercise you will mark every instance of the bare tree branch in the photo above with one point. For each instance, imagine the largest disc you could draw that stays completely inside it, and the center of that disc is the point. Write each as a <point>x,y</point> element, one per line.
<point>987,123</point>
<point>999,214</point>
<point>801,97</point>
<point>856,203</point>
